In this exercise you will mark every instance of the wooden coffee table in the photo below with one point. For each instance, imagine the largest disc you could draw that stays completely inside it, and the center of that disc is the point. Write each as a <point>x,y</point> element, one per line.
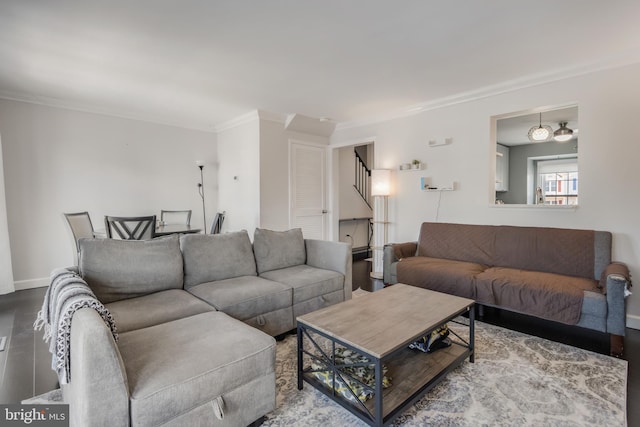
<point>380,326</point>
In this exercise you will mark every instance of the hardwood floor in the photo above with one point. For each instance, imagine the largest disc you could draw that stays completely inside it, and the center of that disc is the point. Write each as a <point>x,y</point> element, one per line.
<point>25,363</point>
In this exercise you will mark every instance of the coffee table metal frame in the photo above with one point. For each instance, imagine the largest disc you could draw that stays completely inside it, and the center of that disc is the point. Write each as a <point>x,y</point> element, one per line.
<point>463,349</point>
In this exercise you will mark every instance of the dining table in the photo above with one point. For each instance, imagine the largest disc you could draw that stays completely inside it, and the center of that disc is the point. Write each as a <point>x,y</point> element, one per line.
<point>161,230</point>
<point>166,229</point>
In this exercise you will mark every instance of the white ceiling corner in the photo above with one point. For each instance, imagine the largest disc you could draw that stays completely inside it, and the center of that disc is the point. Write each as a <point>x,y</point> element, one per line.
<point>211,65</point>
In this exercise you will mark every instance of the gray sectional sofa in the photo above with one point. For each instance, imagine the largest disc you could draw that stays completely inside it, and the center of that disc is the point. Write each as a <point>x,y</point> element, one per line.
<point>564,275</point>
<point>196,316</point>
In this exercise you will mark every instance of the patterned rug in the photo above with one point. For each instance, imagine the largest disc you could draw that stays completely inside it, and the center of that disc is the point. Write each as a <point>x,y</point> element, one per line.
<point>516,380</point>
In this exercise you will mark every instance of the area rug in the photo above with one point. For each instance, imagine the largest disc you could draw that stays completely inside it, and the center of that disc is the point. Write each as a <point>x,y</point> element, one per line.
<point>516,380</point>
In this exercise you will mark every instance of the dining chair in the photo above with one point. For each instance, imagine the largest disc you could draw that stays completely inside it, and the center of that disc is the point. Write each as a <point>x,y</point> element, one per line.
<point>81,227</point>
<point>216,227</point>
<point>130,227</point>
<point>175,217</point>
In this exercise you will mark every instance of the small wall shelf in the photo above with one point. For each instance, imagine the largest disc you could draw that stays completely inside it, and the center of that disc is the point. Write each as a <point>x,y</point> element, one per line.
<point>425,185</point>
<point>434,190</point>
<point>405,167</point>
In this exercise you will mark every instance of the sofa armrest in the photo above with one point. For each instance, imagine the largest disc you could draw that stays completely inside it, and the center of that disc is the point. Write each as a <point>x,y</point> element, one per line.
<point>392,253</point>
<point>334,256</point>
<point>615,283</point>
<point>98,393</point>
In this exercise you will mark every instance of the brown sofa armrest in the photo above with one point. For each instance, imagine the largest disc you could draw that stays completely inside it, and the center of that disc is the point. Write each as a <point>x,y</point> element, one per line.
<point>405,250</point>
<point>392,253</point>
<point>617,272</point>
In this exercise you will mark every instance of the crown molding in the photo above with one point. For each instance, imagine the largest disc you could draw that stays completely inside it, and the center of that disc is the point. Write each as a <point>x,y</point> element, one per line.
<point>91,109</point>
<point>620,60</point>
<point>237,121</point>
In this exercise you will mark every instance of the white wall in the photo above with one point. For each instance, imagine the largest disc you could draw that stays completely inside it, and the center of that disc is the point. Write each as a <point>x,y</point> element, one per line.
<point>6,273</point>
<point>239,176</point>
<point>58,160</point>
<point>608,162</point>
<point>274,176</point>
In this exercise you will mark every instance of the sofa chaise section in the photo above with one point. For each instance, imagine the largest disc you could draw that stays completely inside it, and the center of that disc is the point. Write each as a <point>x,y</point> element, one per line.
<point>177,359</point>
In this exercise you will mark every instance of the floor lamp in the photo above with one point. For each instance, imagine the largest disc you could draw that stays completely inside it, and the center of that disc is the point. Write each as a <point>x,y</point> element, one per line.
<point>380,190</point>
<point>200,164</point>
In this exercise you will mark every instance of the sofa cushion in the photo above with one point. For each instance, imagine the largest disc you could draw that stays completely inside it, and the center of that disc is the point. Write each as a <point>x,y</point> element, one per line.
<point>177,366</point>
<point>306,281</point>
<point>120,269</point>
<point>244,297</point>
<point>460,242</point>
<point>442,275</point>
<point>154,309</point>
<point>209,257</point>
<point>546,295</point>
<point>278,249</point>
<point>553,250</point>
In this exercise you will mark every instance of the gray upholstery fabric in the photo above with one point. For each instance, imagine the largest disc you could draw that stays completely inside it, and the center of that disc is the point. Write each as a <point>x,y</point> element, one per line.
<point>119,269</point>
<point>153,309</point>
<point>616,321</point>
<point>316,303</point>
<point>274,322</point>
<point>244,297</point>
<point>307,282</point>
<point>209,257</point>
<point>602,252</point>
<point>334,256</point>
<point>243,406</point>
<point>594,311</point>
<point>278,249</point>
<point>178,366</point>
<point>98,393</point>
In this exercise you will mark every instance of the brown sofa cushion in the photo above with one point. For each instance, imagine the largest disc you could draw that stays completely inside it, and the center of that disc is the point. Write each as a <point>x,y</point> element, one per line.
<point>546,295</point>
<point>553,250</point>
<point>461,242</point>
<point>442,275</point>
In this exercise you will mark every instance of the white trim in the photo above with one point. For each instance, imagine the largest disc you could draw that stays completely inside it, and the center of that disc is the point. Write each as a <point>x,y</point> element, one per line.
<point>238,121</point>
<point>21,285</point>
<point>57,103</point>
<point>272,117</point>
<point>623,59</point>
<point>354,142</point>
<point>633,321</point>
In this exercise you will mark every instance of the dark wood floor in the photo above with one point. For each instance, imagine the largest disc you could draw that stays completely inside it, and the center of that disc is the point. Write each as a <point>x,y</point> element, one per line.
<point>26,371</point>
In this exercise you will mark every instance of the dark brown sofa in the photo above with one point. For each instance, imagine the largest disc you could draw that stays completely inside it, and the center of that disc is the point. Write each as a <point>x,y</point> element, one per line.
<point>563,275</point>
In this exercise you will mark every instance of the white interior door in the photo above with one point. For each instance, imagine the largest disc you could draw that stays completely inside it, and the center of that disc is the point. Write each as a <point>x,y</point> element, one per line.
<point>307,189</point>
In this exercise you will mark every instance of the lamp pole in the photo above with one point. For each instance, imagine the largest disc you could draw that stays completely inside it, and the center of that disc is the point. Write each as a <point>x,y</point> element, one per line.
<point>201,192</point>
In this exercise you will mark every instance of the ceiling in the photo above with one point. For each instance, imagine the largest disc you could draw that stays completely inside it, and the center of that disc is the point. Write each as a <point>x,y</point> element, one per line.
<point>202,63</point>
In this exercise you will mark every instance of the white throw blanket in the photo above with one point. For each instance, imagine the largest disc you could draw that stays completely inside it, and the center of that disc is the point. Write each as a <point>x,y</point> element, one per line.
<point>67,293</point>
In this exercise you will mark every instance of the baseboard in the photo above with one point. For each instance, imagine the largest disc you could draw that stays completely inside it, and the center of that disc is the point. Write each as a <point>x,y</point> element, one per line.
<point>633,322</point>
<point>21,285</point>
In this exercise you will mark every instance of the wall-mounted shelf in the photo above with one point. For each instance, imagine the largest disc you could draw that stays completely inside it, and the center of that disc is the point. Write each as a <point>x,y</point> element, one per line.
<point>405,167</point>
<point>435,190</point>
<point>426,185</point>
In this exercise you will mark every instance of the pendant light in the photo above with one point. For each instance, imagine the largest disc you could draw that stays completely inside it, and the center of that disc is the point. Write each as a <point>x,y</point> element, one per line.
<point>563,134</point>
<point>540,133</point>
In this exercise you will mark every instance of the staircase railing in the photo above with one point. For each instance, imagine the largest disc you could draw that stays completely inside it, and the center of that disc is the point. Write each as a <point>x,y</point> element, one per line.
<point>362,182</point>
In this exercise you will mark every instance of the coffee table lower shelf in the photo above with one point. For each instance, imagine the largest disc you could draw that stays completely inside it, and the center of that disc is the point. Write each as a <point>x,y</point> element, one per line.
<point>413,374</point>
